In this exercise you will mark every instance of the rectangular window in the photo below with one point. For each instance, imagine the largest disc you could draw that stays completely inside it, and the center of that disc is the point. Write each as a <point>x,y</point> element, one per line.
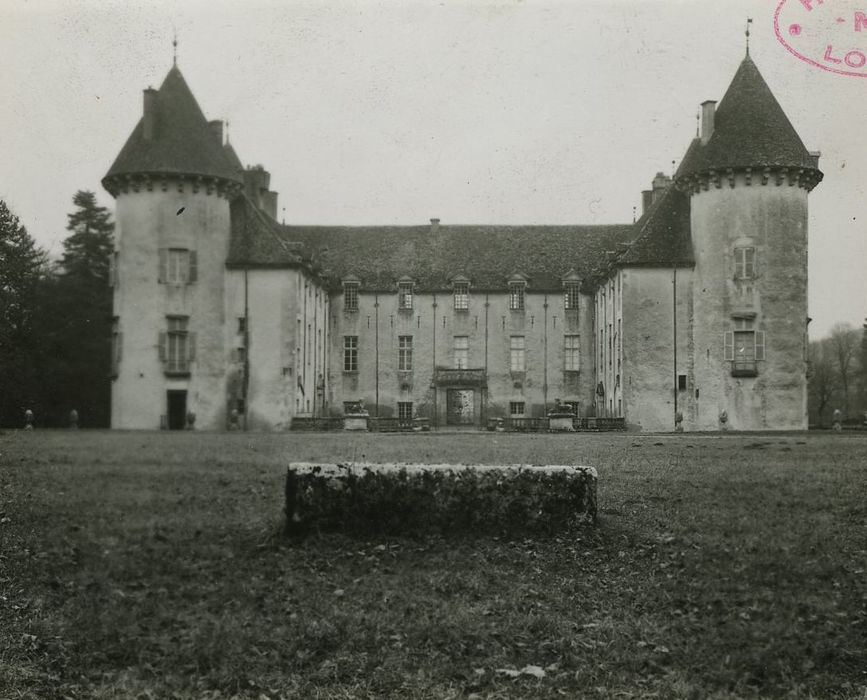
<point>744,347</point>
<point>350,297</point>
<point>681,382</point>
<point>619,343</point>
<point>350,353</point>
<point>404,295</point>
<point>404,411</point>
<point>462,296</point>
<point>404,353</point>
<point>516,353</point>
<point>241,355</point>
<point>242,324</point>
<point>177,266</point>
<point>745,263</point>
<point>462,352</point>
<point>516,296</point>
<point>572,295</point>
<point>516,408</point>
<point>571,353</point>
<point>178,349</point>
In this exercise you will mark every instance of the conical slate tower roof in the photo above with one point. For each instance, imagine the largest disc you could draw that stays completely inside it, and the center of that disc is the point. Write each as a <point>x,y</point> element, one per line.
<point>232,157</point>
<point>750,130</point>
<point>182,142</point>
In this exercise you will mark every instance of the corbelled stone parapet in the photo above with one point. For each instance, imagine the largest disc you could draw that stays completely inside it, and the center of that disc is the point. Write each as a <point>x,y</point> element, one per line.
<point>805,178</point>
<point>147,182</point>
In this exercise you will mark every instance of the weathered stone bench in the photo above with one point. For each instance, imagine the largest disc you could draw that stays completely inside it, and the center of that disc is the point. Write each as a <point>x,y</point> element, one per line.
<point>514,500</point>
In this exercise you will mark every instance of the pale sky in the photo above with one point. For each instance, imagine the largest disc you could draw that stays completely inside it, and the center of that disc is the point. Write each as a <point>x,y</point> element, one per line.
<point>395,112</point>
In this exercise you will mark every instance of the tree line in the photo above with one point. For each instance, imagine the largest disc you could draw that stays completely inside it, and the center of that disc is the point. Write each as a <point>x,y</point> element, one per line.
<point>837,376</point>
<point>56,320</point>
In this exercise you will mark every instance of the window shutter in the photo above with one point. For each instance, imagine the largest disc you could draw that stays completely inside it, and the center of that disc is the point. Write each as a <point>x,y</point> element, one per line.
<point>119,348</point>
<point>729,345</point>
<point>194,267</point>
<point>164,266</point>
<point>191,346</point>
<point>112,270</point>
<point>163,341</point>
<point>760,345</point>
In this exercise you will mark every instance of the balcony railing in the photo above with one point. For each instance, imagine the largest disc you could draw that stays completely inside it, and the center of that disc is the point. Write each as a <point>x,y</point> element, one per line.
<point>744,368</point>
<point>460,377</point>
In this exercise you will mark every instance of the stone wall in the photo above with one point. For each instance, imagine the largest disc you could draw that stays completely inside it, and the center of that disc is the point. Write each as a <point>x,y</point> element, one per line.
<point>287,329</point>
<point>433,323</point>
<point>650,370</point>
<point>148,220</point>
<point>438,498</point>
<point>773,218</point>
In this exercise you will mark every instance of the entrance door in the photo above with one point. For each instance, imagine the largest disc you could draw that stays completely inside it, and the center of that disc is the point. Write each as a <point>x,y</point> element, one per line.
<point>459,407</point>
<point>177,405</point>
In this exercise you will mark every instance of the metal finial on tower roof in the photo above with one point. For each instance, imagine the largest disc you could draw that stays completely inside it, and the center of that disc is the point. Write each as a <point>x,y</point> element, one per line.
<point>633,214</point>
<point>747,34</point>
<point>175,50</point>
<point>227,131</point>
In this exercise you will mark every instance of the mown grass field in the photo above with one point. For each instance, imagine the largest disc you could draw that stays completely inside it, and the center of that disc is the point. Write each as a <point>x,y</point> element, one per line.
<point>149,565</point>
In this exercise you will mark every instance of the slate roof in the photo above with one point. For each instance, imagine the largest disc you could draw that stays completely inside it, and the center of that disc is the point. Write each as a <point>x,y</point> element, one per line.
<point>750,130</point>
<point>183,143</point>
<point>232,157</point>
<point>255,239</point>
<point>486,255</point>
<point>664,237</point>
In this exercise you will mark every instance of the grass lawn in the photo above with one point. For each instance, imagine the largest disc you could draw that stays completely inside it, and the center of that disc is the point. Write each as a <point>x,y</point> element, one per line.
<point>149,565</point>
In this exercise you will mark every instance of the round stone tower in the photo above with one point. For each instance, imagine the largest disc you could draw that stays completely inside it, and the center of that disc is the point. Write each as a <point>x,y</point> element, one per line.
<point>748,175</point>
<point>172,181</point>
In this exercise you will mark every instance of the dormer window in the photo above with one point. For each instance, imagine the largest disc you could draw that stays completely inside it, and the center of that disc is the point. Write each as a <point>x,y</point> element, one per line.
<point>404,295</point>
<point>461,287</point>
<point>517,287</point>
<point>571,290</point>
<point>350,295</point>
<point>571,295</point>
<point>745,263</point>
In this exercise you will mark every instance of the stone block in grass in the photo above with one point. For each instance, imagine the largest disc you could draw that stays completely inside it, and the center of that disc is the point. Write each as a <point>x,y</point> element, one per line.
<point>511,500</point>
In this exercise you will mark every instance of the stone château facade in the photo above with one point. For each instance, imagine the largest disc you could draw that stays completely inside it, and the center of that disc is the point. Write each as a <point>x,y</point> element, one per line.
<point>695,315</point>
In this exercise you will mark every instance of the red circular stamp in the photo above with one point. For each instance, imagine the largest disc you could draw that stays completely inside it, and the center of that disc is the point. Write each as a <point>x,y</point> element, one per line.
<point>828,34</point>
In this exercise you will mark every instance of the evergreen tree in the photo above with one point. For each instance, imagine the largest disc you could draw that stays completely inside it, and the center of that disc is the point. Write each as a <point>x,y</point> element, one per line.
<point>22,265</point>
<point>78,318</point>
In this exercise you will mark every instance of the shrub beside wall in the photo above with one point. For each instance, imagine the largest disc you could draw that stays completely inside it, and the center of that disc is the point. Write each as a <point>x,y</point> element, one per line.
<point>514,500</point>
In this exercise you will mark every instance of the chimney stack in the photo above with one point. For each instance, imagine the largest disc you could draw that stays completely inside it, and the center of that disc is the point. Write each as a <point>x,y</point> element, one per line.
<point>646,200</point>
<point>708,111</point>
<point>149,116</point>
<point>217,127</point>
<point>257,183</point>
<point>434,225</point>
<point>814,156</point>
<point>660,182</point>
